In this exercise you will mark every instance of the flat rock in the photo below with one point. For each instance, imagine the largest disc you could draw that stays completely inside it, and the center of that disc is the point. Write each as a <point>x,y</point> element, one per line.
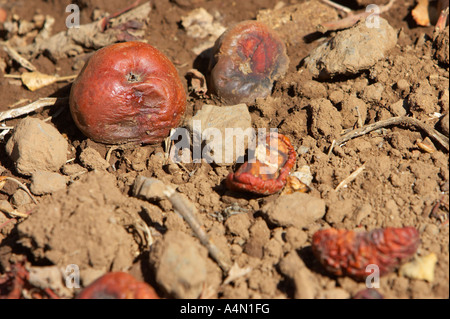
<point>43,182</point>
<point>149,188</point>
<point>180,265</point>
<point>352,50</point>
<point>36,146</point>
<point>219,126</point>
<point>297,209</point>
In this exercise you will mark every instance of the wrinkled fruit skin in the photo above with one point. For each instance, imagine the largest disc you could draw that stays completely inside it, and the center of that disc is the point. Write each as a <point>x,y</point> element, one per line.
<point>118,285</point>
<point>348,253</point>
<point>127,92</point>
<point>250,177</point>
<point>246,60</point>
<point>368,293</point>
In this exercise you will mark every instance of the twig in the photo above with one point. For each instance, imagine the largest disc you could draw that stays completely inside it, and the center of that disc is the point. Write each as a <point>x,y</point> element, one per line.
<point>15,213</point>
<point>350,178</point>
<point>337,6</point>
<point>442,21</point>
<point>112,149</point>
<point>17,57</point>
<point>10,114</point>
<point>104,22</point>
<point>440,138</point>
<point>188,211</point>
<point>22,186</point>
<point>351,19</point>
<point>333,144</point>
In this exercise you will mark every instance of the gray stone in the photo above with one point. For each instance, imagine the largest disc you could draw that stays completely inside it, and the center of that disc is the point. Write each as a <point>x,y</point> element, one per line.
<point>223,121</point>
<point>352,50</point>
<point>180,265</point>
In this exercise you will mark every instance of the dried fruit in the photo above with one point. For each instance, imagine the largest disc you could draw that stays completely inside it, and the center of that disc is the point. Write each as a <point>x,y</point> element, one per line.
<point>127,92</point>
<point>267,174</point>
<point>345,252</point>
<point>118,285</point>
<point>247,59</point>
<point>368,293</point>
<point>16,284</point>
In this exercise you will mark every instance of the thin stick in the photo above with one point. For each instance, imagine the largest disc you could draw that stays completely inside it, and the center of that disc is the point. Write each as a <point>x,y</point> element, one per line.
<point>400,120</point>
<point>442,21</point>
<point>22,186</point>
<point>337,6</point>
<point>66,78</point>
<point>17,57</point>
<point>14,213</point>
<point>10,114</point>
<point>108,154</point>
<point>351,19</point>
<point>188,211</point>
<point>350,178</point>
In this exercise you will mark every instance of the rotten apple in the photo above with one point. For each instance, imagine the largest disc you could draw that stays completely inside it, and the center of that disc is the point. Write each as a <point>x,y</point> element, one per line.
<point>246,60</point>
<point>127,92</point>
<point>118,285</point>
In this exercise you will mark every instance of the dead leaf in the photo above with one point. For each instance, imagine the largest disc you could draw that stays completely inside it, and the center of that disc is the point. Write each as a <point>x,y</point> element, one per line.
<point>420,268</point>
<point>235,273</point>
<point>36,80</point>
<point>420,13</point>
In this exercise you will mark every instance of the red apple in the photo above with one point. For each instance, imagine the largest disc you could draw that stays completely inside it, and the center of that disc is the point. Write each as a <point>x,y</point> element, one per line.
<point>127,92</point>
<point>246,60</point>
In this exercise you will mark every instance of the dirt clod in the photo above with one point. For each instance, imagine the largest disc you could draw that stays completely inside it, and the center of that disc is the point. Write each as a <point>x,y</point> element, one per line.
<point>180,265</point>
<point>36,145</point>
<point>46,182</point>
<point>82,226</point>
<point>297,209</point>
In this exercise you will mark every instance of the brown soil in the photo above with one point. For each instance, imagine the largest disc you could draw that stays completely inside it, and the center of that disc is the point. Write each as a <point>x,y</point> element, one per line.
<point>96,224</point>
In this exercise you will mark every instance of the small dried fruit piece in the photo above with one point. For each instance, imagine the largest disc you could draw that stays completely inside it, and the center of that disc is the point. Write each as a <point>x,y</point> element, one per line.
<point>345,252</point>
<point>267,174</point>
<point>247,59</point>
<point>118,285</point>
